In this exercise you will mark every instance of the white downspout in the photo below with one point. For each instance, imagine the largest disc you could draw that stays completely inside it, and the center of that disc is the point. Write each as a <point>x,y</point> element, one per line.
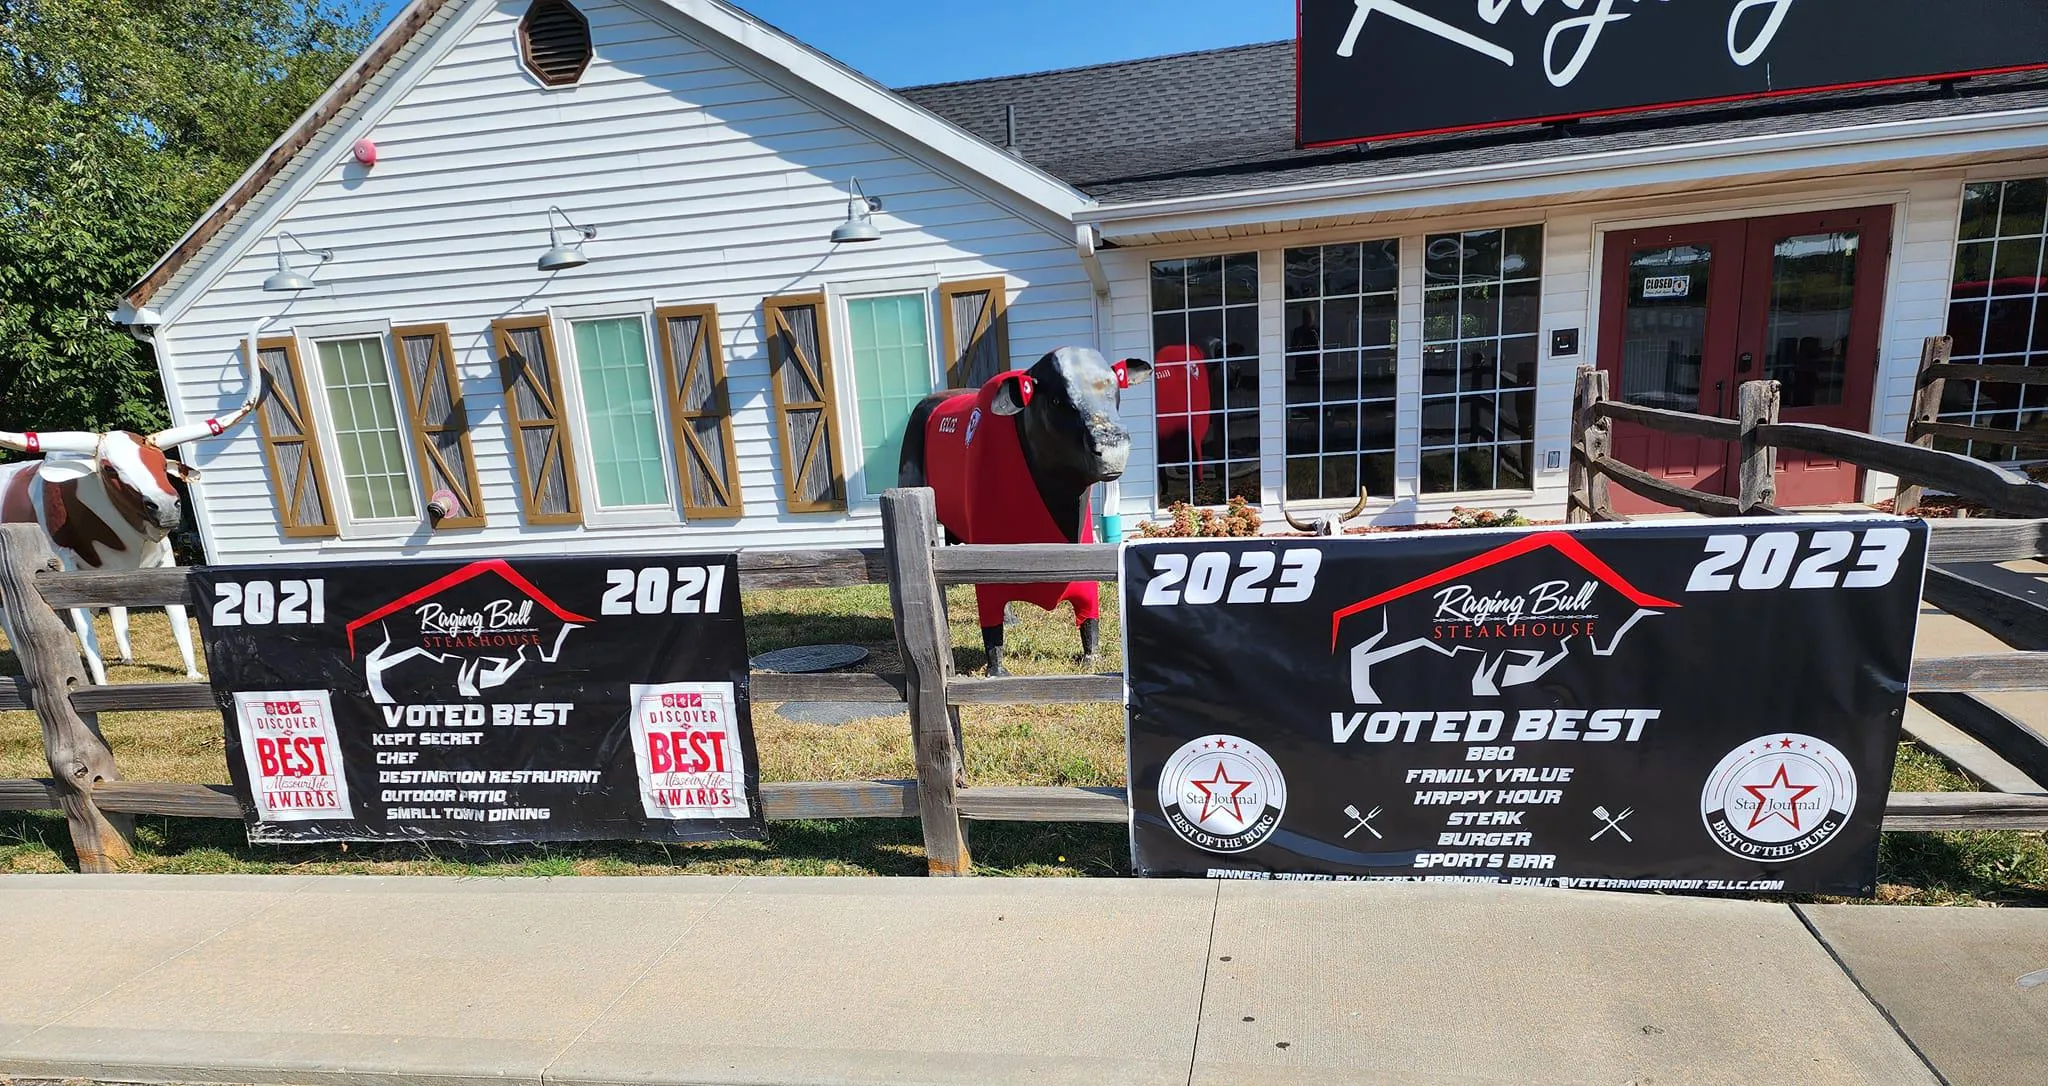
<point>1086,242</point>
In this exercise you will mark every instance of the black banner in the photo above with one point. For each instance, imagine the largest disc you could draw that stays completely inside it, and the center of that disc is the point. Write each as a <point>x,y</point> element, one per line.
<point>558,699</point>
<point>1708,706</point>
<point>1374,69</point>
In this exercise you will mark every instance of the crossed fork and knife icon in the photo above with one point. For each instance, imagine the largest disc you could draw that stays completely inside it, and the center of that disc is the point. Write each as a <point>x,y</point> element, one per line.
<point>1613,823</point>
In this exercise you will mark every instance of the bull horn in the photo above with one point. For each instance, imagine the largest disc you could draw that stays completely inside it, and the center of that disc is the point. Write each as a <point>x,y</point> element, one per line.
<point>56,441</point>
<point>259,383</point>
<point>1295,524</point>
<point>1356,509</point>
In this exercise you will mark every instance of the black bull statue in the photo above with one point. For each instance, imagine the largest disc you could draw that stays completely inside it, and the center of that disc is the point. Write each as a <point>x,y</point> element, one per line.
<point>1013,462</point>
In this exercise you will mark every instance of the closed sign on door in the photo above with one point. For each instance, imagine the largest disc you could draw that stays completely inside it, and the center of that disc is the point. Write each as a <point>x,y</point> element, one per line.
<point>1667,286</point>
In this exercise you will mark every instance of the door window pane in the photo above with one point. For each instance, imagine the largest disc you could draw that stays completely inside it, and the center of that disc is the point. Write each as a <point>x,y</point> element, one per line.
<point>1342,319</point>
<point>1481,310</point>
<point>1998,315</point>
<point>356,379</point>
<point>1664,328</point>
<point>619,412</point>
<point>892,371</point>
<point>1806,334</point>
<point>1205,358</point>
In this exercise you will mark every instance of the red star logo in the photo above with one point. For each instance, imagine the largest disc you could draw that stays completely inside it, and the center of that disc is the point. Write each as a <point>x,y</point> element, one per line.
<point>1784,742</point>
<point>1212,802</point>
<point>1777,789</point>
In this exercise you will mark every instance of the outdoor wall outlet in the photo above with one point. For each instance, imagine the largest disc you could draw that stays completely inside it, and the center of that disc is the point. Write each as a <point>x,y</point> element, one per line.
<point>1553,460</point>
<point>1564,343</point>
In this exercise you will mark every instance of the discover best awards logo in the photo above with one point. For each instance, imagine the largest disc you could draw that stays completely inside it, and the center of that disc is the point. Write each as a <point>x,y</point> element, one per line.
<point>1222,794</point>
<point>686,744</point>
<point>1778,797</point>
<point>292,754</point>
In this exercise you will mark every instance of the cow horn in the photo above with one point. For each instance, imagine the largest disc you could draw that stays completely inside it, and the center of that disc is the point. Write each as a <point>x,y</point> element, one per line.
<point>259,383</point>
<point>56,441</point>
<point>1296,524</point>
<point>1356,509</point>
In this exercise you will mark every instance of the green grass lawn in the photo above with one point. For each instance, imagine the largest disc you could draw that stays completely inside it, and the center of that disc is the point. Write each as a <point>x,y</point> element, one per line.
<point>1045,744</point>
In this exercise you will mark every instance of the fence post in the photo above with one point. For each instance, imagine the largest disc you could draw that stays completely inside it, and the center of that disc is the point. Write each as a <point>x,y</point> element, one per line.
<point>1592,438</point>
<point>1758,401</point>
<point>1927,391</point>
<point>909,529</point>
<point>78,754</point>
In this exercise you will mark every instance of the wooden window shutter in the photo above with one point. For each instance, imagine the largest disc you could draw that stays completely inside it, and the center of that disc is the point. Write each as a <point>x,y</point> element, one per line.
<point>699,410</point>
<point>440,423</point>
<point>540,428</point>
<point>975,316</point>
<point>291,446</point>
<point>806,423</point>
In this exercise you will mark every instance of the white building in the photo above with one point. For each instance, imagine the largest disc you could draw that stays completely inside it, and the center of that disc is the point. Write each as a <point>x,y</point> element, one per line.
<point>1406,317</point>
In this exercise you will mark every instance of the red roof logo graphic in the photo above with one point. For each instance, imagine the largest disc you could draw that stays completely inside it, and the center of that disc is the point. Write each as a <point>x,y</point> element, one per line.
<point>1519,637</point>
<point>461,576</point>
<point>1562,542</point>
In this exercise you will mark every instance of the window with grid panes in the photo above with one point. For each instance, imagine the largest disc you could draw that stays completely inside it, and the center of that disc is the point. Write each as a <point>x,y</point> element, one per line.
<point>1205,373</point>
<point>620,421</point>
<point>1343,311</point>
<point>355,377</point>
<point>1481,309</point>
<point>1998,315</point>
<point>890,338</point>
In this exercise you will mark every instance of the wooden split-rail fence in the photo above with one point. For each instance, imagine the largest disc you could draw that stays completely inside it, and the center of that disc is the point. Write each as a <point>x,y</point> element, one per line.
<point>99,804</point>
<point>1965,576</point>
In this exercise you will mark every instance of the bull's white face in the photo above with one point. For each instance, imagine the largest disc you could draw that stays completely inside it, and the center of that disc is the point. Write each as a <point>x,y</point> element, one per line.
<point>1071,422</point>
<point>137,476</point>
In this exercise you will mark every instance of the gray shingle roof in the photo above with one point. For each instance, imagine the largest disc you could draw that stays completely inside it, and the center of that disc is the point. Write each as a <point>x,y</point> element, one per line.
<point>1223,121</point>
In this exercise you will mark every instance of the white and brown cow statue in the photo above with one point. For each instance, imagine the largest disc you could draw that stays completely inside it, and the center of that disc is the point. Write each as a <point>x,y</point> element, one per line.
<point>107,503</point>
<point>1014,461</point>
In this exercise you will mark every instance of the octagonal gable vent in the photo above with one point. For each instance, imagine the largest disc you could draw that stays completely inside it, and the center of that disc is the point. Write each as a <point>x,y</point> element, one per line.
<point>554,39</point>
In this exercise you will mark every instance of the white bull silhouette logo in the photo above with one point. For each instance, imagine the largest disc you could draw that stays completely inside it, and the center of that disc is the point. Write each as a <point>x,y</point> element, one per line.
<point>1559,615</point>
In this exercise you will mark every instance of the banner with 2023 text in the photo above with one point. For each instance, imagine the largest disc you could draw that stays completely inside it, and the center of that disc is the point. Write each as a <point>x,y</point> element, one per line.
<point>492,701</point>
<point>1708,706</point>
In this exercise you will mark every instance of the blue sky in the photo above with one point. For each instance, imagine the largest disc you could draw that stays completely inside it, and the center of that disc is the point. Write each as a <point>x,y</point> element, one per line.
<point>906,42</point>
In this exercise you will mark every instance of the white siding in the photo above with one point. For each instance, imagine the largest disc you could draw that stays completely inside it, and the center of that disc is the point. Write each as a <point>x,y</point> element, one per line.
<point>709,181</point>
<point>1926,205</point>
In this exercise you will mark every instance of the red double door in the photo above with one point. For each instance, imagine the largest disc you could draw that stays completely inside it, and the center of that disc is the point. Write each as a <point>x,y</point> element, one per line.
<point>1689,313</point>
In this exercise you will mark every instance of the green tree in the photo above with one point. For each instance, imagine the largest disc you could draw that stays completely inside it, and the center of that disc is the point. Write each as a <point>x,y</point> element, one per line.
<point>121,122</point>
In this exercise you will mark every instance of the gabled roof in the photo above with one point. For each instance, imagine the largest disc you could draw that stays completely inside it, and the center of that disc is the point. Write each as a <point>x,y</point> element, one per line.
<point>399,40</point>
<point>745,34</point>
<point>1222,121</point>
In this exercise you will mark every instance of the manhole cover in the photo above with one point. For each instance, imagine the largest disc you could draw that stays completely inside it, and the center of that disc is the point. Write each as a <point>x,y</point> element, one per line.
<point>804,659</point>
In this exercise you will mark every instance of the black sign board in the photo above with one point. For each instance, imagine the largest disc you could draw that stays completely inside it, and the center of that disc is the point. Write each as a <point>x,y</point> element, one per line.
<point>1375,69</point>
<point>491,701</point>
<point>1707,706</point>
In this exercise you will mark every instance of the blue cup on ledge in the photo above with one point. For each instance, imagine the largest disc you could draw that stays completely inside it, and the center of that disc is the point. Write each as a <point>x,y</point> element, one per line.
<point>1112,528</point>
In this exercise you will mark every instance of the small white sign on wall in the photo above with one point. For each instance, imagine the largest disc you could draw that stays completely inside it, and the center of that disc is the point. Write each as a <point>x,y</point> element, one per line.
<point>1667,286</point>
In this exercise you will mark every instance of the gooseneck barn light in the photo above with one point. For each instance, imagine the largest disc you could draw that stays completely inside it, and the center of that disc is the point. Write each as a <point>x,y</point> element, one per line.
<point>860,217</point>
<point>560,257</point>
<point>285,278</point>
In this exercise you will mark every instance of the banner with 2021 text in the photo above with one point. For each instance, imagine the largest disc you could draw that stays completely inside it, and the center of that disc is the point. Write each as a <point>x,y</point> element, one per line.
<point>490,701</point>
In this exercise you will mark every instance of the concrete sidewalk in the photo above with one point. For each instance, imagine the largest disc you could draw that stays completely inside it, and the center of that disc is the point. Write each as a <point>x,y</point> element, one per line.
<point>756,980</point>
